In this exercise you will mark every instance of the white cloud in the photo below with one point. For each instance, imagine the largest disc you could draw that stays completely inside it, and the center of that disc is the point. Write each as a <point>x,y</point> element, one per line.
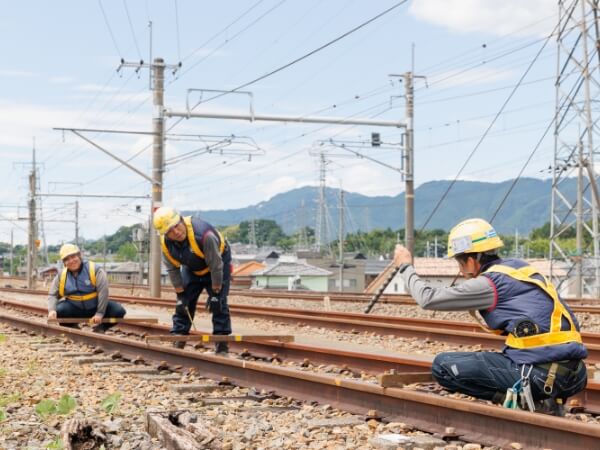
<point>62,80</point>
<point>277,185</point>
<point>498,17</point>
<point>15,73</point>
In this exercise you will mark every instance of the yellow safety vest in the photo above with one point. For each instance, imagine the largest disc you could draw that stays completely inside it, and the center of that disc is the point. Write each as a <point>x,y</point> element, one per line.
<point>553,337</point>
<point>80,298</point>
<point>193,245</point>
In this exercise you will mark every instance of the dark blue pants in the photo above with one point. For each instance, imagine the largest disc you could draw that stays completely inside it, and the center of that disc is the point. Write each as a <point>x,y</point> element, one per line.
<point>483,374</point>
<point>194,285</point>
<point>87,309</point>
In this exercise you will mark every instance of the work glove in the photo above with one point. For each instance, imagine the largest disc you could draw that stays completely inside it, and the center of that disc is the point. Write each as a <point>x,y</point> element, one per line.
<point>213,304</point>
<point>182,304</point>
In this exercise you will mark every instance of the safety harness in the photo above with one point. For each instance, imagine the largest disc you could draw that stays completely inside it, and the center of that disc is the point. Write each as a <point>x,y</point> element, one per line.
<point>78,298</point>
<point>554,336</point>
<point>193,245</point>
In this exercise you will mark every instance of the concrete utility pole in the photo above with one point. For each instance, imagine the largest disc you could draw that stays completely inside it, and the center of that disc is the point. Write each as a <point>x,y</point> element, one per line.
<point>158,168</point>
<point>409,189</point>
<point>341,258</point>
<point>12,245</point>
<point>32,229</point>
<point>77,222</point>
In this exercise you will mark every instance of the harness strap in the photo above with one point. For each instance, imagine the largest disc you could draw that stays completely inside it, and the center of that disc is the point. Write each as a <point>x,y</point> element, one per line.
<point>554,335</point>
<point>482,324</point>
<point>193,245</point>
<point>549,384</point>
<point>81,298</point>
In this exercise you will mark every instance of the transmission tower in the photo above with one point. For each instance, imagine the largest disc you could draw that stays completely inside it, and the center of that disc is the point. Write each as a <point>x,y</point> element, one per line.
<point>577,89</point>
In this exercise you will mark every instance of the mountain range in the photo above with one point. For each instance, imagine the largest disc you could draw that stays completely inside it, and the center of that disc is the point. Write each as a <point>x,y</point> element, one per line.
<point>527,207</point>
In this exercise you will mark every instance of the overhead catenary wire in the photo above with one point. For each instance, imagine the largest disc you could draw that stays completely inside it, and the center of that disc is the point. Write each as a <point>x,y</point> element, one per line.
<point>510,96</point>
<point>112,36</point>
<point>132,30</point>
<point>177,30</point>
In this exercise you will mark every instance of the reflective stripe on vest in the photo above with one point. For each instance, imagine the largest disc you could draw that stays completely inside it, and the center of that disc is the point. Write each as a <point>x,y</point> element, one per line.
<point>80,298</point>
<point>193,245</point>
<point>553,337</point>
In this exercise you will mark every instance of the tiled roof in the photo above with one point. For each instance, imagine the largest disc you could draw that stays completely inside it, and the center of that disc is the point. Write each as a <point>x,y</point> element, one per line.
<point>292,269</point>
<point>247,268</point>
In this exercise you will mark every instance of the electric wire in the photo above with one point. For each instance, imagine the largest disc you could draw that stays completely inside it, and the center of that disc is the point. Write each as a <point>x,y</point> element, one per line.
<point>177,30</point>
<point>312,52</point>
<point>131,28</point>
<point>510,96</point>
<point>110,29</point>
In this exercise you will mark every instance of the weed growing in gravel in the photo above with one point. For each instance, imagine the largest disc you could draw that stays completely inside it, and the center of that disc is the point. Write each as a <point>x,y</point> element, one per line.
<point>2,338</point>
<point>3,372</point>
<point>6,399</point>
<point>32,366</point>
<point>64,406</point>
<point>2,415</point>
<point>56,444</point>
<point>110,403</point>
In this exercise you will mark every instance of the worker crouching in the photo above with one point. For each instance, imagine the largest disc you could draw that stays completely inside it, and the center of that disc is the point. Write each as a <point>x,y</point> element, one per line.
<point>541,364</point>
<point>81,291</point>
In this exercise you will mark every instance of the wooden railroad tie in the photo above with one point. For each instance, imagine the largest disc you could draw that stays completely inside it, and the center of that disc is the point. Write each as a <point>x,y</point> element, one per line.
<point>401,379</point>
<point>220,337</point>
<point>106,320</point>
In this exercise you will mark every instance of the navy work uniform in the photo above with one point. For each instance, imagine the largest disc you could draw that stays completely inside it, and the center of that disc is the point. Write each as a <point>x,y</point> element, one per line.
<point>194,262</point>
<point>84,294</point>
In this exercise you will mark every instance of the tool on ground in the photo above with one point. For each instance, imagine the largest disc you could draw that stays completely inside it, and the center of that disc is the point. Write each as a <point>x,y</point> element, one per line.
<point>220,338</point>
<point>106,320</point>
<point>379,292</point>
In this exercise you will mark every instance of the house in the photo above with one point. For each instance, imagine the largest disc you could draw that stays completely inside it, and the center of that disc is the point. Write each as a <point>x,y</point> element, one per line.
<point>291,276</point>
<point>242,275</point>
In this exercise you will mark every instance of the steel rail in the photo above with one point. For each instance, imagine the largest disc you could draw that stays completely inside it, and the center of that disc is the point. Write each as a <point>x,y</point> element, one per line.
<point>472,421</point>
<point>467,335</point>
<point>345,359</point>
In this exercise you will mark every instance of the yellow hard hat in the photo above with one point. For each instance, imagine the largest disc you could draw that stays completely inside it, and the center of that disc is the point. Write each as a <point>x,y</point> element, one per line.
<point>472,236</point>
<point>68,250</point>
<point>165,218</point>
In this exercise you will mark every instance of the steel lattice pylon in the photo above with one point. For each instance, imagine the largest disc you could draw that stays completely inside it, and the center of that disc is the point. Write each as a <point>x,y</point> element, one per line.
<point>576,130</point>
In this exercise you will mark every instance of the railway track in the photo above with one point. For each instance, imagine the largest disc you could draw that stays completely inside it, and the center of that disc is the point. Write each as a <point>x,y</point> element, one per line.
<point>458,333</point>
<point>471,421</point>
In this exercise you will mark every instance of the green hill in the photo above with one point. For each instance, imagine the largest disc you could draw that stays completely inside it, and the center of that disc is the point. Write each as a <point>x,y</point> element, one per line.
<point>527,207</point>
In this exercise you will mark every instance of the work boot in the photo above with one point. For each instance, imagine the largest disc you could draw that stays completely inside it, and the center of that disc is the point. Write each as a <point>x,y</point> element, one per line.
<point>179,344</point>
<point>99,329</point>
<point>221,348</point>
<point>551,407</point>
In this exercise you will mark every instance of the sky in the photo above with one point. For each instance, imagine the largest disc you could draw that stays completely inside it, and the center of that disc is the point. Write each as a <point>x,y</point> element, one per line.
<point>59,70</point>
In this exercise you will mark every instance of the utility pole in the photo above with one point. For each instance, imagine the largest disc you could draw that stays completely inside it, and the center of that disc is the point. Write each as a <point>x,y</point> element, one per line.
<point>320,234</point>
<point>12,245</point>
<point>77,222</point>
<point>32,229</point>
<point>409,187</point>
<point>158,168</point>
<point>341,237</point>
